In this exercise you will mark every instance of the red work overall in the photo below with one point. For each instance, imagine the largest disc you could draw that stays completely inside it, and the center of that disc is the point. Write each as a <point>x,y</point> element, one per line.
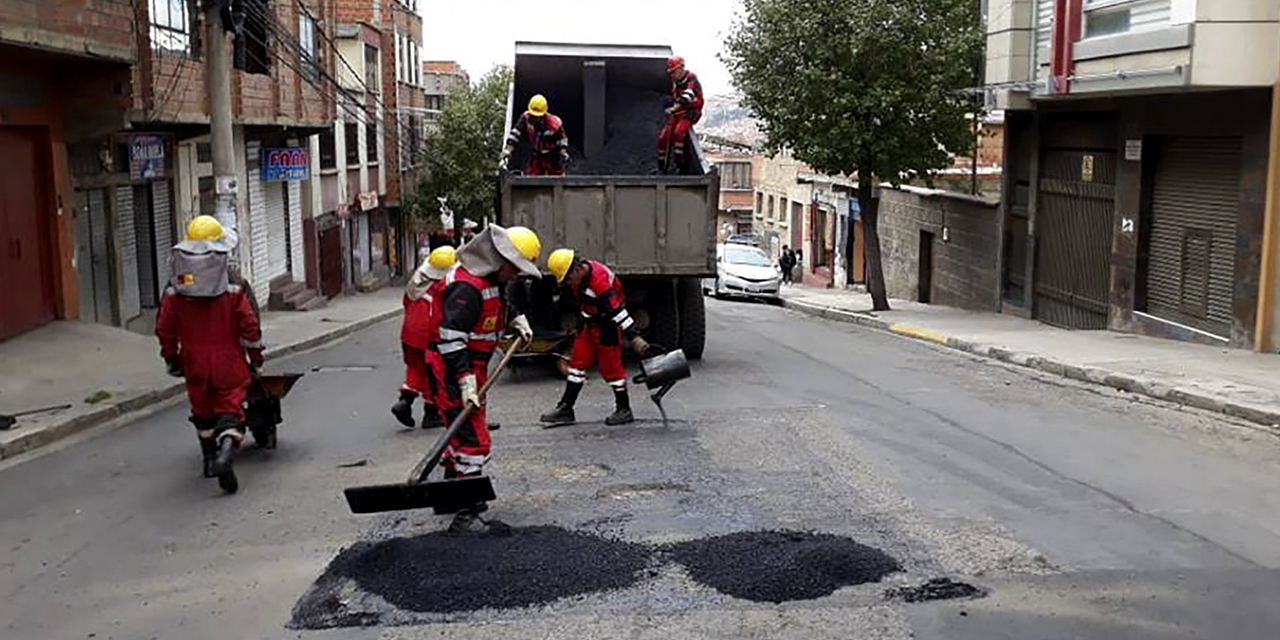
<point>469,450</point>
<point>213,338</point>
<point>418,335</point>
<point>548,143</point>
<point>689,103</point>
<point>604,317</point>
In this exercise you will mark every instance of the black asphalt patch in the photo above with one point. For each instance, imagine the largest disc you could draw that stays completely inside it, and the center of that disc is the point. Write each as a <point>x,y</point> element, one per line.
<point>781,566</point>
<point>935,589</point>
<point>447,573</point>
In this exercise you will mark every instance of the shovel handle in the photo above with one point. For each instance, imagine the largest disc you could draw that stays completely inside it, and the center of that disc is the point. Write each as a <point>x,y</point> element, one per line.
<point>429,462</point>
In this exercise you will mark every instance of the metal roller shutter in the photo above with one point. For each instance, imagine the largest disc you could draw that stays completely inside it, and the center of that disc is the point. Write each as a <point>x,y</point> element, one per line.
<point>162,212</point>
<point>259,254</point>
<point>130,305</point>
<point>1190,275</point>
<point>297,256</point>
<point>277,232</point>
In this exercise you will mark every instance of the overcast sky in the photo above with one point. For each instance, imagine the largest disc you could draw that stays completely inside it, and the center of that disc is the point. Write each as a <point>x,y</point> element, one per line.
<point>482,33</point>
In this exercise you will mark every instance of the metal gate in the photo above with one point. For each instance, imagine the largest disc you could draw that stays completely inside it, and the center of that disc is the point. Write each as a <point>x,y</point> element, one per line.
<point>331,261</point>
<point>1073,230</point>
<point>1190,266</point>
<point>93,256</point>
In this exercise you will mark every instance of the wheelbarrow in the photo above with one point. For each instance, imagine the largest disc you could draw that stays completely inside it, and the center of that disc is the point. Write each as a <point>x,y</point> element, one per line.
<point>660,373</point>
<point>262,406</point>
<point>553,344</point>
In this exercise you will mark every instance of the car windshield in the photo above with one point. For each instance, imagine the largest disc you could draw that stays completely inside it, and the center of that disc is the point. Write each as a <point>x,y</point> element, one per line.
<point>746,255</point>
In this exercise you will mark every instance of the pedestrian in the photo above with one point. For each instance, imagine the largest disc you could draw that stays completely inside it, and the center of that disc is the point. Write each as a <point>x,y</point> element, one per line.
<point>471,311</point>
<point>209,334</point>
<point>686,90</point>
<point>419,333</point>
<point>546,137</point>
<point>602,307</point>
<point>785,262</point>
<point>797,266</point>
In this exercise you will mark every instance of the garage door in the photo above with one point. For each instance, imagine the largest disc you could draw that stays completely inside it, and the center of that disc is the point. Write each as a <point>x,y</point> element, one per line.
<point>1190,269</point>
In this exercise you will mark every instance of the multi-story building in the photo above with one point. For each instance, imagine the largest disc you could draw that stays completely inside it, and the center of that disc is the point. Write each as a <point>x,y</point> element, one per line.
<point>1136,163</point>
<point>809,212</point>
<point>439,79</point>
<point>104,124</point>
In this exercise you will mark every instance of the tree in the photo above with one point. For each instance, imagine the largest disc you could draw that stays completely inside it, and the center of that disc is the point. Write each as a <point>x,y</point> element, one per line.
<point>867,87</point>
<point>462,151</point>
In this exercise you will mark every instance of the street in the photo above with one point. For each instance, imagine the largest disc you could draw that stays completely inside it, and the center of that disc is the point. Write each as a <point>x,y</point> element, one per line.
<point>1082,513</point>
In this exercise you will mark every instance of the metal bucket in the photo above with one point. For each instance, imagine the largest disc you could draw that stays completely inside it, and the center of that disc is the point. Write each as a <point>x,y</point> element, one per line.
<point>668,368</point>
<point>660,373</point>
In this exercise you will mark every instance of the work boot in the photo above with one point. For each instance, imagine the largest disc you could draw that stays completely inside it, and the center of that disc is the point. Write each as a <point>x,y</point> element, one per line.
<point>222,464</point>
<point>403,408</point>
<point>468,520</point>
<point>622,411</point>
<point>209,451</point>
<point>563,413</point>
<point>431,418</point>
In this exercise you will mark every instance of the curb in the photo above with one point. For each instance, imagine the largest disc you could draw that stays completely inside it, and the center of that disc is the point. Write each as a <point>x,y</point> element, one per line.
<point>1260,415</point>
<point>55,432</point>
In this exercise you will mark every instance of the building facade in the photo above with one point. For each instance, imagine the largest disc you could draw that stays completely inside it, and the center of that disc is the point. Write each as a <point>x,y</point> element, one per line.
<point>1136,146</point>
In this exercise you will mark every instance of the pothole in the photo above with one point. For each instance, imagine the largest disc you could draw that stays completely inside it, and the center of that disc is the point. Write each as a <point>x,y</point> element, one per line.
<point>935,589</point>
<point>446,573</point>
<point>639,490</point>
<point>577,472</point>
<point>781,566</point>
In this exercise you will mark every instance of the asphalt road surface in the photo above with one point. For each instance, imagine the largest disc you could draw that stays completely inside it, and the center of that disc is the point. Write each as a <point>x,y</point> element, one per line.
<point>1080,513</point>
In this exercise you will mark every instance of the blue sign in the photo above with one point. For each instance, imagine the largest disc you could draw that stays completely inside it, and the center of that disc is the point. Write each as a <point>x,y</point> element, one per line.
<point>855,210</point>
<point>286,163</point>
<point>146,157</point>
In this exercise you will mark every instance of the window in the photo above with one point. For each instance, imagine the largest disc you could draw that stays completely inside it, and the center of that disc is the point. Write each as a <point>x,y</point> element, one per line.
<point>328,150</point>
<point>371,138</point>
<point>1109,17</point>
<point>170,26</point>
<point>1105,23</point>
<point>372,75</point>
<point>415,139</point>
<point>399,58</point>
<point>309,43</point>
<point>771,205</point>
<point>204,152</point>
<point>352,131</point>
<point>435,102</point>
<point>735,175</point>
<point>208,198</point>
<point>251,52</point>
<point>759,203</point>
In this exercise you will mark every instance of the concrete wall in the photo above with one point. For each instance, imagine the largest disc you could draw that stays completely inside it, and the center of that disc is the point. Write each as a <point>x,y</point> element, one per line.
<point>966,235</point>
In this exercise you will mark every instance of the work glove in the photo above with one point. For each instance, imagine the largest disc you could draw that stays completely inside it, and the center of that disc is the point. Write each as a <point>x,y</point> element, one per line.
<point>175,367</point>
<point>255,363</point>
<point>639,346</point>
<point>520,325</point>
<point>470,390</point>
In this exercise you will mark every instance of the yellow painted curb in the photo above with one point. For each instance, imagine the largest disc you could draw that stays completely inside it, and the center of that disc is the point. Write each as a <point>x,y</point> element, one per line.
<point>916,332</point>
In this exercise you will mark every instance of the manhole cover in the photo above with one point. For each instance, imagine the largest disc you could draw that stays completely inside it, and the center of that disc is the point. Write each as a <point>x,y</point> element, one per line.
<point>781,566</point>
<point>442,573</point>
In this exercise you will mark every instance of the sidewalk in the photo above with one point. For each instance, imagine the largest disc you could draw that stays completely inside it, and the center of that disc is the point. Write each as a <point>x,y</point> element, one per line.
<point>68,362</point>
<point>1231,381</point>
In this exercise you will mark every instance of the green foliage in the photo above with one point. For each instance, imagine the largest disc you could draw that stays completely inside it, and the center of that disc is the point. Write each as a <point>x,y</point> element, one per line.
<point>462,153</point>
<point>860,85</point>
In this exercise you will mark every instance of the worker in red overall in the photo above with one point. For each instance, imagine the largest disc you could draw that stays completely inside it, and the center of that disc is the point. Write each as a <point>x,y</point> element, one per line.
<point>472,318</point>
<point>209,334</point>
<point>603,308</point>
<point>681,116</point>
<point>419,333</point>
<point>546,137</point>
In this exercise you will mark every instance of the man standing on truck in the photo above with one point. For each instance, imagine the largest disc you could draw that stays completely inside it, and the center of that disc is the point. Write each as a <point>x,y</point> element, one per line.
<point>681,116</point>
<point>547,139</point>
<point>471,313</point>
<point>605,321</point>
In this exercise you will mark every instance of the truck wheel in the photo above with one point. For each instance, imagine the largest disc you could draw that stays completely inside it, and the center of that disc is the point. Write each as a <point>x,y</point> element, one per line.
<point>664,315</point>
<point>693,318</point>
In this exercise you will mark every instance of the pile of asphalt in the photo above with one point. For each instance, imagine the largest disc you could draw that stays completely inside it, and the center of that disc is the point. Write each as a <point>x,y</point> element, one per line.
<point>636,118</point>
<point>444,573</point>
<point>935,589</point>
<point>781,566</point>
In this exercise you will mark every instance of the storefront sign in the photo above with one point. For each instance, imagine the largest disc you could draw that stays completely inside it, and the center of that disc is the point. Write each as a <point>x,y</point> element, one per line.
<point>287,163</point>
<point>146,157</point>
<point>1133,150</point>
<point>369,201</point>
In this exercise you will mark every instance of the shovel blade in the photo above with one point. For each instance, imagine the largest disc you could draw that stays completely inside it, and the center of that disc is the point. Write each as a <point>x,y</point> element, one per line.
<point>443,496</point>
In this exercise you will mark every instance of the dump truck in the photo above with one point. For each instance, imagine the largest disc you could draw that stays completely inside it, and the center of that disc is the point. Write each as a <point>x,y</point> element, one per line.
<point>656,231</point>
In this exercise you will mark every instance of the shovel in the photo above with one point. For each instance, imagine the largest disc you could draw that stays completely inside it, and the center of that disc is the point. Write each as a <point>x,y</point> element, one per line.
<point>8,420</point>
<point>443,496</point>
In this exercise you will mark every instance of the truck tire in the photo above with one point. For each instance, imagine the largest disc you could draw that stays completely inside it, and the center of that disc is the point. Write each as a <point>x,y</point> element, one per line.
<point>693,317</point>
<point>664,315</point>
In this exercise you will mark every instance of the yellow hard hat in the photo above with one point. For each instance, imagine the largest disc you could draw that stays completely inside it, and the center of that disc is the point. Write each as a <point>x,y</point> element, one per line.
<point>443,257</point>
<point>559,263</point>
<point>204,228</point>
<point>538,105</point>
<point>526,242</point>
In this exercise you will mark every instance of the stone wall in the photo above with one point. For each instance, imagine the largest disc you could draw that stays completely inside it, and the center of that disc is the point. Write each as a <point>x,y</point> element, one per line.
<point>966,238</point>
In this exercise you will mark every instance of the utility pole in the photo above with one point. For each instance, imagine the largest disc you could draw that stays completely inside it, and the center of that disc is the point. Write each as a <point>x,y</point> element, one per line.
<point>1267,280</point>
<point>218,88</point>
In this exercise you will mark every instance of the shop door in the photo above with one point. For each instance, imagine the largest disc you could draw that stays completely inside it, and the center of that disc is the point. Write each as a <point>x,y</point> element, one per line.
<point>26,296</point>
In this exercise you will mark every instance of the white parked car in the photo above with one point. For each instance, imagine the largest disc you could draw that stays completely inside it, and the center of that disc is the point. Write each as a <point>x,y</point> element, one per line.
<point>745,271</point>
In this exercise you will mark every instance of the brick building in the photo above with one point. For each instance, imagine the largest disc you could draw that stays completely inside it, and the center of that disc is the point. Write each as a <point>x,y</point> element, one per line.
<point>440,78</point>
